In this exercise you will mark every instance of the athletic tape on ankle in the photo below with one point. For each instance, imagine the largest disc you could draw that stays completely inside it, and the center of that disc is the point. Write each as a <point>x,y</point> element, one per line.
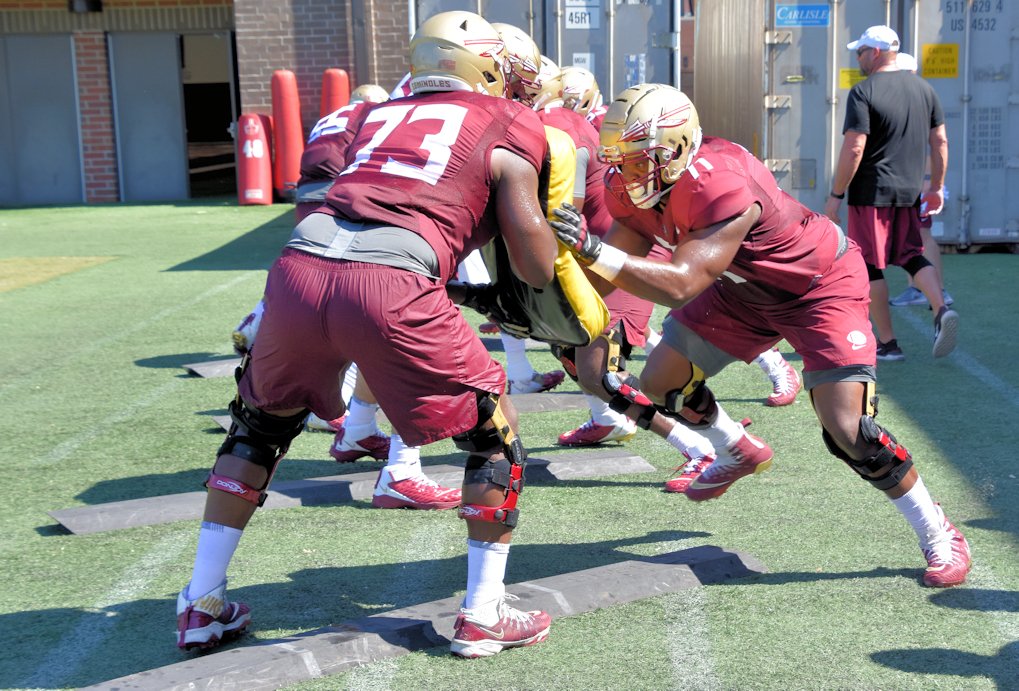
<point>609,263</point>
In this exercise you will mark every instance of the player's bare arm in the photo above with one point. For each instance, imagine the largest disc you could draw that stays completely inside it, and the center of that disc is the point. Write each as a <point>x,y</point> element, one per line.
<point>529,240</point>
<point>699,259</point>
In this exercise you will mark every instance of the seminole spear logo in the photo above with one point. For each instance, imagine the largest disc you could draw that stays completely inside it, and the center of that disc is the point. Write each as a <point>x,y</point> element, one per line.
<point>646,129</point>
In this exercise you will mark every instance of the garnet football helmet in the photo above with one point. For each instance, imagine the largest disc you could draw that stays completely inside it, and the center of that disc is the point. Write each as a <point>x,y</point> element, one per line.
<point>580,90</point>
<point>458,51</point>
<point>524,62</point>
<point>655,125</point>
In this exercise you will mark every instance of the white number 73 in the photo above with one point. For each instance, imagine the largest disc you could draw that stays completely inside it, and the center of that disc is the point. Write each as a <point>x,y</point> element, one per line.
<point>437,145</point>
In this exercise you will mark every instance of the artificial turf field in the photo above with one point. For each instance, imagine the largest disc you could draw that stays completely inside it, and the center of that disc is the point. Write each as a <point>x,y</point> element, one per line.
<point>101,306</point>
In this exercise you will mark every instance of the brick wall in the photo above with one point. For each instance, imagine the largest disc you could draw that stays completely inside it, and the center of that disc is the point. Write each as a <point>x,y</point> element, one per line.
<point>304,36</point>
<point>98,144</point>
<point>391,41</point>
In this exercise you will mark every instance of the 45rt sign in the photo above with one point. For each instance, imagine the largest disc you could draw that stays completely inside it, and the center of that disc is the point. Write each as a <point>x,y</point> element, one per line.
<point>583,14</point>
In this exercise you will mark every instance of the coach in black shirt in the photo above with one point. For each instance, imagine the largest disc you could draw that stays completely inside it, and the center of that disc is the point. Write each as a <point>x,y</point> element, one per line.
<point>891,118</point>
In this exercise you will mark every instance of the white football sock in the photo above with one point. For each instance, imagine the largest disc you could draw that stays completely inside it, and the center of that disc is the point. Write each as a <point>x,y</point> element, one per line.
<point>918,508</point>
<point>602,414</point>
<point>690,442</point>
<point>348,383</point>
<point>216,546</point>
<point>769,360</point>
<point>652,341</point>
<point>404,461</point>
<point>361,413</point>
<point>723,432</point>
<point>518,368</point>
<point>486,568</point>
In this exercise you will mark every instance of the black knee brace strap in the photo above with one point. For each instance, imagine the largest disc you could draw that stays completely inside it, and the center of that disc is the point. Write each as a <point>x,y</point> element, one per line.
<point>625,393</point>
<point>484,438</point>
<point>507,472</point>
<point>567,355</point>
<point>259,438</point>
<point>692,403</point>
<point>887,464</point>
<point>510,476</point>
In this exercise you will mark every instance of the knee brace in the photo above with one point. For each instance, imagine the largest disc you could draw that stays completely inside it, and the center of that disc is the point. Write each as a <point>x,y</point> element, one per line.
<point>567,356</point>
<point>887,461</point>
<point>491,435</point>
<point>618,349</point>
<point>874,273</point>
<point>626,393</point>
<point>693,403</point>
<point>256,437</point>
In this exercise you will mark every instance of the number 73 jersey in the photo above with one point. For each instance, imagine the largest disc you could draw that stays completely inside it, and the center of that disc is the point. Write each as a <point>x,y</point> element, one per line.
<point>423,163</point>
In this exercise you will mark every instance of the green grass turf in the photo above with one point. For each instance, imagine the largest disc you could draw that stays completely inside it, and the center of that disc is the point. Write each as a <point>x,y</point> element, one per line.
<point>96,407</point>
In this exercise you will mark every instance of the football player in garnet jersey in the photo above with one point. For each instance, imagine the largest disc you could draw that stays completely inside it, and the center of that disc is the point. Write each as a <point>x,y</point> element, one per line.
<point>750,266</point>
<point>429,178</point>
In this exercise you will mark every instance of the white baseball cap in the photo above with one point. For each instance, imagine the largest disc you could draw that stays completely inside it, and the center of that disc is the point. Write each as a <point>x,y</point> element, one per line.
<point>905,61</point>
<point>883,37</point>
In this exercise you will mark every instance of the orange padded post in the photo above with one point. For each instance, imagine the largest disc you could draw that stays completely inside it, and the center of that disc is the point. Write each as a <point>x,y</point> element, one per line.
<point>288,135</point>
<point>335,91</point>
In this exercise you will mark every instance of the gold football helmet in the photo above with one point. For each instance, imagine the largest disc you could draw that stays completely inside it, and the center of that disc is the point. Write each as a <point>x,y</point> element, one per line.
<point>580,90</point>
<point>550,84</point>
<point>454,51</point>
<point>369,93</point>
<point>524,62</point>
<point>650,134</point>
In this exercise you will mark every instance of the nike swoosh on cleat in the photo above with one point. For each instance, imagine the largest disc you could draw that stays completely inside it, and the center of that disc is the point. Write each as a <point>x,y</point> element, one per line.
<point>499,636</point>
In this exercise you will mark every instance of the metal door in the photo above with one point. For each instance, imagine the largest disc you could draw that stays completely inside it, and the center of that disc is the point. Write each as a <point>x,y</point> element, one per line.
<point>798,98</point>
<point>40,144</point>
<point>148,108</point>
<point>968,51</point>
<point>623,42</point>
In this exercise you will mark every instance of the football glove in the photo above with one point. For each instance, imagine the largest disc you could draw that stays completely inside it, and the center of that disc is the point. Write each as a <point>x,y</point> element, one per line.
<point>572,232</point>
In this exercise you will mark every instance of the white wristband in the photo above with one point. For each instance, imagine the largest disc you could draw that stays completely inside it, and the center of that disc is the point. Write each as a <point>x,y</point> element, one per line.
<point>609,263</point>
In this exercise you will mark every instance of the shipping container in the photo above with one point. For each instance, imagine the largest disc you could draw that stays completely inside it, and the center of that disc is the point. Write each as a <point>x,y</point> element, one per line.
<point>774,76</point>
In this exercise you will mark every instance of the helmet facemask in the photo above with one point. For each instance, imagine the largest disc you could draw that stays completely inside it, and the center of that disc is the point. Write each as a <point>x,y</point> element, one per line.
<point>650,136</point>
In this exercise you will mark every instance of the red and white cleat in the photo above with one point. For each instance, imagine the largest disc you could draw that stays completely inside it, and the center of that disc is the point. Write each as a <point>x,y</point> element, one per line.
<point>347,451</point>
<point>591,433</point>
<point>209,620</point>
<point>749,455</point>
<point>687,473</point>
<point>513,629</point>
<point>948,561</point>
<point>537,383</point>
<point>314,422</point>
<point>785,384</point>
<point>417,492</point>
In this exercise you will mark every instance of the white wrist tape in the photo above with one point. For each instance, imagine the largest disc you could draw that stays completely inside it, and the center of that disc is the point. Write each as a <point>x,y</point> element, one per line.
<point>609,263</point>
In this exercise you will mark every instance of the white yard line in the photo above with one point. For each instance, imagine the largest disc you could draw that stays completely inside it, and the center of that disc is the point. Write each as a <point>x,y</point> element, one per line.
<point>96,624</point>
<point>99,344</point>
<point>426,546</point>
<point>688,637</point>
<point>688,634</point>
<point>963,360</point>
<point>64,449</point>
<point>982,585</point>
